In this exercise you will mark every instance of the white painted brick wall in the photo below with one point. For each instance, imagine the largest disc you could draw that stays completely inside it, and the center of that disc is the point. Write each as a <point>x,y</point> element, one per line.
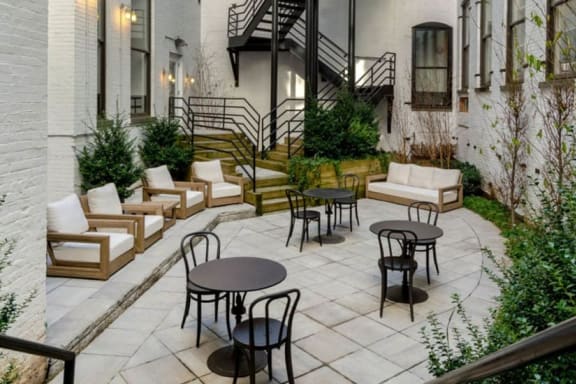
<point>23,131</point>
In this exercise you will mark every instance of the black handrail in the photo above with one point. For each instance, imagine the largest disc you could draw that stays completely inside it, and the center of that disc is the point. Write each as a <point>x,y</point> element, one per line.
<point>555,340</point>
<point>39,349</point>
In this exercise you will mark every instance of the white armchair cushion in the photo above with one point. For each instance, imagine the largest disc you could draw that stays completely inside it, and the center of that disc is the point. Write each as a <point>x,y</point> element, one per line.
<point>159,177</point>
<point>225,190</point>
<point>66,215</point>
<point>192,198</point>
<point>90,252</point>
<point>208,170</point>
<point>398,173</point>
<point>152,224</point>
<point>445,177</point>
<point>104,200</point>
<point>421,176</point>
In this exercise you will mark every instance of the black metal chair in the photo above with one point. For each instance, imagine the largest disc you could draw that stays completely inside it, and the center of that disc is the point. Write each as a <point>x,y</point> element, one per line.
<point>397,254</point>
<point>425,212</point>
<point>352,182</point>
<point>299,211</point>
<point>266,333</point>
<point>194,292</point>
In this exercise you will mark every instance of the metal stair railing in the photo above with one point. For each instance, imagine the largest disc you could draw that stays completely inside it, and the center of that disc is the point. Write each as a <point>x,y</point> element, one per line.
<point>241,15</point>
<point>556,340</point>
<point>39,349</point>
<point>233,116</point>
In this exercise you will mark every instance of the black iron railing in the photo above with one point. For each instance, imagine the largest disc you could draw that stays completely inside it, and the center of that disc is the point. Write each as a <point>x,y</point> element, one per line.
<point>240,16</point>
<point>38,349</point>
<point>556,340</point>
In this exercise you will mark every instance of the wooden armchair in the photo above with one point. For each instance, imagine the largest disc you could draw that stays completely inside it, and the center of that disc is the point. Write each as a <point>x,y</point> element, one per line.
<point>159,187</point>
<point>221,189</point>
<point>104,203</point>
<point>74,250</point>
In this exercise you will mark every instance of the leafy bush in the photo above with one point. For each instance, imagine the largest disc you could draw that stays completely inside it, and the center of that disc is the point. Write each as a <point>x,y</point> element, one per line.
<point>305,172</point>
<point>536,292</point>
<point>163,144</point>
<point>109,158</point>
<point>471,177</point>
<point>348,130</point>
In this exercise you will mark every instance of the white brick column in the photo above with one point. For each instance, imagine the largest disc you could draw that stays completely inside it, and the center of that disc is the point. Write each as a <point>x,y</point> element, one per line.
<point>23,130</point>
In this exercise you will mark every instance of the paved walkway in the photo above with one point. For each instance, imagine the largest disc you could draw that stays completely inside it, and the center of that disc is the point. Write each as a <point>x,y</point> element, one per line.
<point>338,335</point>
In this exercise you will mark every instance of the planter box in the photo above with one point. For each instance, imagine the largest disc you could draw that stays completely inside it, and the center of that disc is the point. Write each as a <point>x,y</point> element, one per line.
<point>362,168</point>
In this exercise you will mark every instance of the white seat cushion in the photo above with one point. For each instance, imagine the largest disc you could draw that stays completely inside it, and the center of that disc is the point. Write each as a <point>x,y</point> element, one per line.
<point>192,198</point>
<point>66,216</point>
<point>225,190</point>
<point>208,170</point>
<point>90,252</point>
<point>104,200</point>
<point>421,177</point>
<point>398,173</point>
<point>409,192</point>
<point>445,177</point>
<point>152,224</point>
<point>159,177</point>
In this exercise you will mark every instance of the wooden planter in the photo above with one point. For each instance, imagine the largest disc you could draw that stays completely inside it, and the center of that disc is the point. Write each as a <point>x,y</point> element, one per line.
<point>362,168</point>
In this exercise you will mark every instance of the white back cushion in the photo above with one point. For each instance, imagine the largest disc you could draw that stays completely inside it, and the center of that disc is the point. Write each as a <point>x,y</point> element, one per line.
<point>66,215</point>
<point>159,177</point>
<point>208,170</point>
<point>104,200</point>
<point>398,173</point>
<point>446,177</point>
<point>421,177</point>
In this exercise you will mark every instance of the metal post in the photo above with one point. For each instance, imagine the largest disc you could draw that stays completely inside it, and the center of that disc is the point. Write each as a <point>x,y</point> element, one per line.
<point>274,74</point>
<point>351,45</point>
<point>311,65</point>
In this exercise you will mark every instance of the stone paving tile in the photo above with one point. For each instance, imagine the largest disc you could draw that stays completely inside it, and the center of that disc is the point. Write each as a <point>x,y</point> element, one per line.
<point>338,335</point>
<point>166,370</point>
<point>328,345</point>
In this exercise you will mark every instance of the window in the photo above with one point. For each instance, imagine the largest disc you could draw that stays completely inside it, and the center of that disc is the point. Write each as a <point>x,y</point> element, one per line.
<point>485,43</point>
<point>432,66</point>
<point>563,28</point>
<point>101,60</point>
<point>515,39</point>
<point>465,45</point>
<point>140,58</point>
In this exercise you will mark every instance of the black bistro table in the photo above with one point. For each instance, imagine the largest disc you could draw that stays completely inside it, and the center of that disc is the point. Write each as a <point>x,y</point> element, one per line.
<point>237,275</point>
<point>423,231</point>
<point>328,195</point>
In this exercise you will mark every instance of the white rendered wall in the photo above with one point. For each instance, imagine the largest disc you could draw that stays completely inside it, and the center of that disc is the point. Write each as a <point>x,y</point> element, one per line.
<point>23,131</point>
<point>478,128</point>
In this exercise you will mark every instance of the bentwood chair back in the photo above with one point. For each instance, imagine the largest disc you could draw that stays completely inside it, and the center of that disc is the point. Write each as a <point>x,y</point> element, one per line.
<point>351,182</point>
<point>299,211</point>
<point>197,248</point>
<point>264,333</point>
<point>397,254</point>
<point>425,212</point>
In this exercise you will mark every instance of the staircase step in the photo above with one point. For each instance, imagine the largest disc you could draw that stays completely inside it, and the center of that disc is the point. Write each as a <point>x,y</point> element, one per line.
<point>269,193</point>
<point>283,148</point>
<point>277,155</point>
<point>280,166</point>
<point>275,205</point>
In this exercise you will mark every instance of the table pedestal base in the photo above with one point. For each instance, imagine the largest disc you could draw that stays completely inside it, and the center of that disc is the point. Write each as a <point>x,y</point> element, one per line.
<point>332,238</point>
<point>399,294</point>
<point>222,362</point>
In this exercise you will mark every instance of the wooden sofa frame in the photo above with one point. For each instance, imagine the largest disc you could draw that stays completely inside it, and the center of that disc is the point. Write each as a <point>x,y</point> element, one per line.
<point>182,212</point>
<point>442,207</point>
<point>133,212</point>
<point>88,270</point>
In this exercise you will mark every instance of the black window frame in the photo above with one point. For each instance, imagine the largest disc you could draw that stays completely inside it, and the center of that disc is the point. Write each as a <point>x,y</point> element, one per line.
<point>418,97</point>
<point>147,53</point>
<point>552,71</point>
<point>485,44</point>
<point>465,48</point>
<point>101,59</point>
<point>511,56</point>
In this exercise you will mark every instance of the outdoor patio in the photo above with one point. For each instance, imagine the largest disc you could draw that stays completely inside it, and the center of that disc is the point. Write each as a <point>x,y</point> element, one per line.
<point>338,334</point>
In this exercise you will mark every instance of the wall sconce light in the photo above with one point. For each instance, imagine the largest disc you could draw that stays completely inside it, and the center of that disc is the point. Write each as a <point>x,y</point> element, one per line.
<point>129,14</point>
<point>189,80</point>
<point>171,78</point>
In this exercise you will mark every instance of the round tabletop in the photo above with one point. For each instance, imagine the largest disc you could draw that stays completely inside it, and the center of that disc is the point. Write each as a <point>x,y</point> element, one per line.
<point>422,230</point>
<point>328,193</point>
<point>238,274</point>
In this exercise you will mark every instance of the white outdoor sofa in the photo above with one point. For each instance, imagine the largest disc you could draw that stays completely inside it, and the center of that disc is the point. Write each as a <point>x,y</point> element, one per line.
<point>406,183</point>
